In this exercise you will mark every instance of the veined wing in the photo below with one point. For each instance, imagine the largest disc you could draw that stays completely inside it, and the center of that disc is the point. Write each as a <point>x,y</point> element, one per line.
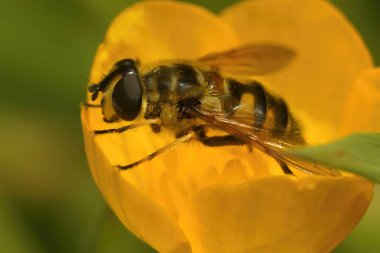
<point>250,59</point>
<point>263,139</point>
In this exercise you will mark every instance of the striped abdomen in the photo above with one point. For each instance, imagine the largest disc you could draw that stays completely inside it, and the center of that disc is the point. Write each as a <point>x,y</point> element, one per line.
<point>265,104</point>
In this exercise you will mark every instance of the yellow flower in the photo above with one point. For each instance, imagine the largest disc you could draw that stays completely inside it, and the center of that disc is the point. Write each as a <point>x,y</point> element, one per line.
<point>201,199</point>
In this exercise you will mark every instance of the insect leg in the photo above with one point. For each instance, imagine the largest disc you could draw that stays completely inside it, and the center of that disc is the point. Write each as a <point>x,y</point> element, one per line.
<point>125,128</point>
<point>285,168</point>
<point>214,141</point>
<point>179,140</point>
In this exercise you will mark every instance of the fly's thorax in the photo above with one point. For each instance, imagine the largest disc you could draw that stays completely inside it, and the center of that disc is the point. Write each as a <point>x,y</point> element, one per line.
<point>174,82</point>
<point>167,86</point>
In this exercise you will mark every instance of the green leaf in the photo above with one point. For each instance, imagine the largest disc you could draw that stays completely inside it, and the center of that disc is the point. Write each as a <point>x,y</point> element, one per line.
<point>357,153</point>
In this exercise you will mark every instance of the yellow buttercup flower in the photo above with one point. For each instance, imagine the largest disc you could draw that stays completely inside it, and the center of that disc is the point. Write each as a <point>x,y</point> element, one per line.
<point>227,199</point>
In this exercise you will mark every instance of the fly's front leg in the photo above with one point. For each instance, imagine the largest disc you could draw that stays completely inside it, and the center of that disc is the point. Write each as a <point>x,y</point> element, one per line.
<point>125,128</point>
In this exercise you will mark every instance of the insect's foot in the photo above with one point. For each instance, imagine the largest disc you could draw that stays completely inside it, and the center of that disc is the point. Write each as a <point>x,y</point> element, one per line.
<point>124,167</point>
<point>99,132</point>
<point>106,131</point>
<point>96,132</point>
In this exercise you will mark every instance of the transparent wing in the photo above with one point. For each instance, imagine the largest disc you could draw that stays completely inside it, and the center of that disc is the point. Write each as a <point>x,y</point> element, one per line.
<point>250,59</point>
<point>241,125</point>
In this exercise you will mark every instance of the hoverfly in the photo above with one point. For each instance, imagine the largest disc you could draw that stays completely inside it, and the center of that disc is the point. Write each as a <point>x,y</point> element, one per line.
<point>189,97</point>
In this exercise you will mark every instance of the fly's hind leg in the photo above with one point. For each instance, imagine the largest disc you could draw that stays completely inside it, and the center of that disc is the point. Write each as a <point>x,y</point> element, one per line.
<point>285,168</point>
<point>215,141</point>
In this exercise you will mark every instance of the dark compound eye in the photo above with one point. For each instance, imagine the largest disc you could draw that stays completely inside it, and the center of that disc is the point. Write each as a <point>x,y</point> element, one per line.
<point>127,96</point>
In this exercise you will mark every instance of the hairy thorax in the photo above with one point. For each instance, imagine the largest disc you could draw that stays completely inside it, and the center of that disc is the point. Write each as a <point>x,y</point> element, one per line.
<point>167,88</point>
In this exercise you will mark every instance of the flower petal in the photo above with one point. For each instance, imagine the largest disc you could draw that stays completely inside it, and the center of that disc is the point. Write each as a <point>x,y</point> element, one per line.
<point>362,108</point>
<point>275,214</point>
<point>156,30</point>
<point>133,207</point>
<point>330,55</point>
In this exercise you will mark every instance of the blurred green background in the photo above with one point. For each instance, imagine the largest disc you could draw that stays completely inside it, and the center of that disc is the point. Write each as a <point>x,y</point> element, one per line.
<point>48,201</point>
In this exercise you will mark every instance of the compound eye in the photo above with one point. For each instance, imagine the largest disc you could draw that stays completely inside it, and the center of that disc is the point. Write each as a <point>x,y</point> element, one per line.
<point>127,96</point>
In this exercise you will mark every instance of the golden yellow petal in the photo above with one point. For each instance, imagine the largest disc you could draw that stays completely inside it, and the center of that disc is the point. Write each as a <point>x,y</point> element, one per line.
<point>362,108</point>
<point>134,208</point>
<point>156,30</point>
<point>330,55</point>
<point>275,214</point>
